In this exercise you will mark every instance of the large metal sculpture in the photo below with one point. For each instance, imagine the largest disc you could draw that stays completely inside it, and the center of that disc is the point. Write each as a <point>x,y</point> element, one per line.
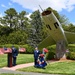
<point>56,34</point>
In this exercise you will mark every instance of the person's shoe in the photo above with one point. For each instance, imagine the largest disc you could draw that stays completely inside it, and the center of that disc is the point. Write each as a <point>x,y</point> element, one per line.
<point>14,65</point>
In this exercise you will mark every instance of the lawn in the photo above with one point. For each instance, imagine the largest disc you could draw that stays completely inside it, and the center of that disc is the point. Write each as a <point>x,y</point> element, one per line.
<point>54,68</point>
<point>9,74</point>
<point>21,59</point>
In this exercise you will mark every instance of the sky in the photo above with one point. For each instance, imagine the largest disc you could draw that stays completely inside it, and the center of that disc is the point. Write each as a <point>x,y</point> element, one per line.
<point>65,7</point>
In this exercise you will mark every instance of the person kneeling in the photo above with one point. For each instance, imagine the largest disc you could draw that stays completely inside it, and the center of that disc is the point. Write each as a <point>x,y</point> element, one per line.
<point>41,63</point>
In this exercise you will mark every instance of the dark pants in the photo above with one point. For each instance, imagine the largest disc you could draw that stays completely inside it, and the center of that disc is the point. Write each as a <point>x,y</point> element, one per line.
<point>14,61</point>
<point>35,61</point>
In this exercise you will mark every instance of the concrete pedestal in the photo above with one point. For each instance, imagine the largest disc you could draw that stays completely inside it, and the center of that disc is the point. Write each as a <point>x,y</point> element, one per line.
<point>60,50</point>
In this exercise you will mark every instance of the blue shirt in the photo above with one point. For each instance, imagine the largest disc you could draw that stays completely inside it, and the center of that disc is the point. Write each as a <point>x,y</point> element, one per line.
<point>36,54</point>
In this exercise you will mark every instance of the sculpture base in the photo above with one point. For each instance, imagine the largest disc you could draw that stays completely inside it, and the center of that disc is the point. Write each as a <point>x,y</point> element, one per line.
<point>60,50</point>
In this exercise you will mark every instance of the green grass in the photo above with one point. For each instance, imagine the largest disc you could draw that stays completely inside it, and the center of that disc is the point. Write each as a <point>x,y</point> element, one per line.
<point>3,60</point>
<point>54,68</point>
<point>21,59</point>
<point>25,58</point>
<point>9,74</point>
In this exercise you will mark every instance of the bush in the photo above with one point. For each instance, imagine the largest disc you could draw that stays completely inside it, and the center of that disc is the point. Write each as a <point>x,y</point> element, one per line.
<point>51,53</point>
<point>71,56</point>
<point>29,49</point>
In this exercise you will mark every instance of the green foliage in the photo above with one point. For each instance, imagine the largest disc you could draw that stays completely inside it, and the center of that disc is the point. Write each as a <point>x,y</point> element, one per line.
<point>23,20</point>
<point>35,35</point>
<point>5,30</point>
<point>9,74</point>
<point>3,39</point>
<point>51,53</point>
<point>14,19</point>
<point>29,49</point>
<point>71,49</point>
<point>18,37</point>
<point>11,14</point>
<point>71,53</point>
<point>71,56</point>
<point>63,20</point>
<point>70,27</point>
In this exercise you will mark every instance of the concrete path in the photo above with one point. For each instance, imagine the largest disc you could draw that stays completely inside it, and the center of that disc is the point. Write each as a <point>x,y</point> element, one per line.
<point>23,66</point>
<point>18,66</point>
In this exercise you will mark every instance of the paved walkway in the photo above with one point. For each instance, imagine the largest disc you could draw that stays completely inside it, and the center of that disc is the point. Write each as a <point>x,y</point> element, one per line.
<point>22,66</point>
<point>18,66</point>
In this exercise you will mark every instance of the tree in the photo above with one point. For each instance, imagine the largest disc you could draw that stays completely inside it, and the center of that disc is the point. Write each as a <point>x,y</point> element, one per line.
<point>15,26</point>
<point>70,27</point>
<point>10,17</point>
<point>18,37</point>
<point>5,30</point>
<point>35,35</point>
<point>23,20</point>
<point>63,20</point>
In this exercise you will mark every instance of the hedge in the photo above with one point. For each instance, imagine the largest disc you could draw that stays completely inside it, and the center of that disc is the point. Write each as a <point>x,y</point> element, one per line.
<point>71,54</point>
<point>51,53</point>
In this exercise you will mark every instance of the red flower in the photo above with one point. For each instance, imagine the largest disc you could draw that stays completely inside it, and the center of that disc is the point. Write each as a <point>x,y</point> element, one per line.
<point>41,55</point>
<point>45,50</point>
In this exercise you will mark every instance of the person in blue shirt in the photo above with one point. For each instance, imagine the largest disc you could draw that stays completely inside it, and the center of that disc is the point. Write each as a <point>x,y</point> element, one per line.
<point>14,55</point>
<point>36,55</point>
<point>41,61</point>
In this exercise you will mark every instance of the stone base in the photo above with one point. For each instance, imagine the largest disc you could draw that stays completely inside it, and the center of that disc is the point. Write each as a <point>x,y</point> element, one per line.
<point>60,50</point>
<point>63,58</point>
